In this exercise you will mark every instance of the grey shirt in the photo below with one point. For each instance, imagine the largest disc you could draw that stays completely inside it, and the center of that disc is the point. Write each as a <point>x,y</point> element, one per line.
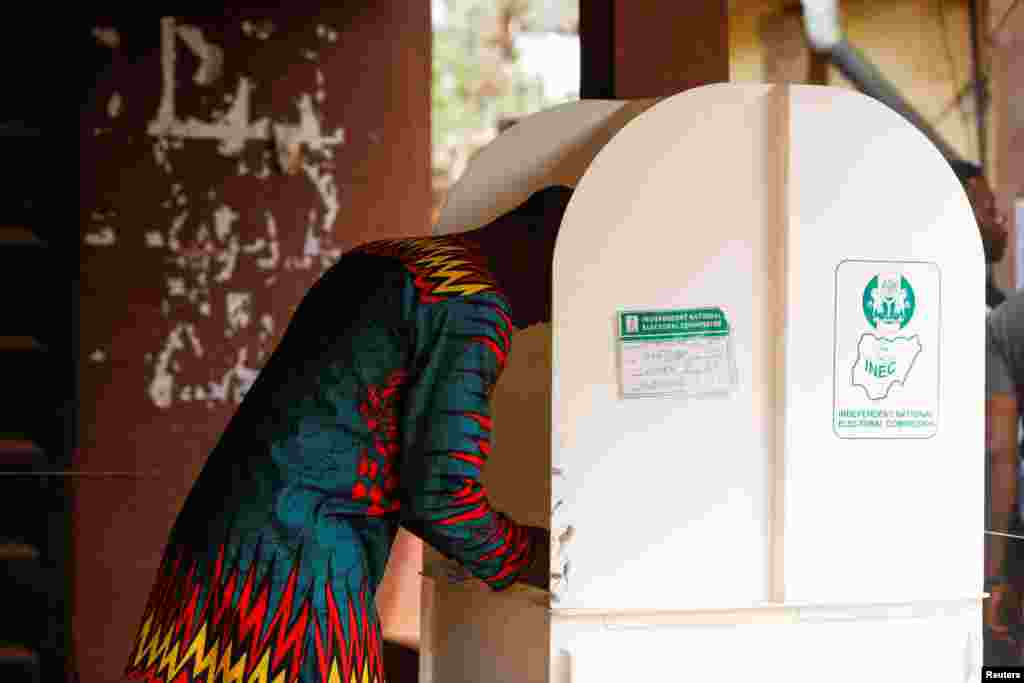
<point>1004,360</point>
<point>1004,366</point>
<point>998,379</point>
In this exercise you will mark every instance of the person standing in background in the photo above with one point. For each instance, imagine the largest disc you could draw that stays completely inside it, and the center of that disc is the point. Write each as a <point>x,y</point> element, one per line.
<point>1001,468</point>
<point>1004,363</point>
<point>992,223</point>
<point>373,413</point>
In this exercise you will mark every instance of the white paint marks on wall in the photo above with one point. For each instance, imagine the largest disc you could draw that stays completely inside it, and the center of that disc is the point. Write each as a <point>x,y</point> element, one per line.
<point>161,147</point>
<point>97,356</point>
<point>224,218</point>
<point>211,56</point>
<point>176,286</point>
<point>308,131</point>
<point>311,247</point>
<point>269,245</point>
<point>266,327</point>
<point>175,230</point>
<point>208,258</point>
<point>161,386</point>
<point>260,30</point>
<point>328,191</point>
<point>233,130</point>
<point>326,33</point>
<point>104,237</point>
<point>107,37</point>
<point>298,263</point>
<point>321,93</point>
<point>239,305</point>
<point>311,55</point>
<point>235,381</point>
<point>114,105</point>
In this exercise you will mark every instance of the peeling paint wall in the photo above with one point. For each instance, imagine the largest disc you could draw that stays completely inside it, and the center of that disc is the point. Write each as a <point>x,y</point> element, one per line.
<point>204,245</point>
<point>197,245</point>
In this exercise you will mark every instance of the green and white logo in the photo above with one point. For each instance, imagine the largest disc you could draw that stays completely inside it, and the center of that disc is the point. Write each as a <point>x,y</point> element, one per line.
<point>887,350</point>
<point>889,302</point>
<point>885,361</point>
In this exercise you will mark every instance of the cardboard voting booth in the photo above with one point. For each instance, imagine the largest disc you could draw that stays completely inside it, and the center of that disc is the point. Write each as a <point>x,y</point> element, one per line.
<point>756,419</point>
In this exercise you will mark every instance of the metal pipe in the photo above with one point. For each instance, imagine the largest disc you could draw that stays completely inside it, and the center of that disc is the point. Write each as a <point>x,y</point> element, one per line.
<point>821,20</point>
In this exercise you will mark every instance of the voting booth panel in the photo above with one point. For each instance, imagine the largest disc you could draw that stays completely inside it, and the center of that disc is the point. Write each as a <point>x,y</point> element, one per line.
<point>893,451</point>
<point>468,632</point>
<point>668,493</point>
<point>785,210</point>
<point>766,397</point>
<point>471,633</point>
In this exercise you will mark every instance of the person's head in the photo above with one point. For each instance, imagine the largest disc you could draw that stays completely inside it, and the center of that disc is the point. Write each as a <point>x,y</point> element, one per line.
<point>542,216</point>
<point>520,245</point>
<point>991,221</point>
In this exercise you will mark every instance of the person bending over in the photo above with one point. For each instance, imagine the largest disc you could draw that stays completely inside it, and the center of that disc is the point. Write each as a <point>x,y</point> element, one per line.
<point>371,414</point>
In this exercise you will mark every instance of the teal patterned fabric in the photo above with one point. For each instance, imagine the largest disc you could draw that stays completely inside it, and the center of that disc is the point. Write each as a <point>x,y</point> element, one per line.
<point>372,414</point>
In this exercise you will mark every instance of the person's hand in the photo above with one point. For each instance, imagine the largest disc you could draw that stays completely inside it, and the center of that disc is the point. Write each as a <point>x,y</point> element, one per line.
<point>538,574</point>
<point>1001,610</point>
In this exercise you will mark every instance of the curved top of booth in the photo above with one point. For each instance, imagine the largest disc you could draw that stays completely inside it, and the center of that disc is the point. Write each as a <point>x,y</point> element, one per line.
<point>866,145</point>
<point>551,147</point>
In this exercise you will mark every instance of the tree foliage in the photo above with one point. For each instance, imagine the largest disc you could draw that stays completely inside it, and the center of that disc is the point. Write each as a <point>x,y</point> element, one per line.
<point>477,77</point>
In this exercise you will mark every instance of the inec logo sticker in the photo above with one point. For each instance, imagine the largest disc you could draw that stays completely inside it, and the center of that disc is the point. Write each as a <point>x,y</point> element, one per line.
<point>889,302</point>
<point>886,379</point>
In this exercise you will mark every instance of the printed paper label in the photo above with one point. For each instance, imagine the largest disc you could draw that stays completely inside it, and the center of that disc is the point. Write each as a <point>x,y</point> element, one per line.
<point>682,352</point>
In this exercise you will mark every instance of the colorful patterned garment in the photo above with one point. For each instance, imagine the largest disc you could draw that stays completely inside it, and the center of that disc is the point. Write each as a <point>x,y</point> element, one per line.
<point>372,413</point>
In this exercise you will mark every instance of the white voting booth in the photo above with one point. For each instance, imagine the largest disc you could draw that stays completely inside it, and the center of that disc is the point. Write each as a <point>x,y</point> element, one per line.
<point>759,405</point>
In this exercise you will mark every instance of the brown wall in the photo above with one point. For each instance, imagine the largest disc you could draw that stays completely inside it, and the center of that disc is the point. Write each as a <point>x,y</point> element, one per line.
<point>196,249</point>
<point>1006,140</point>
<point>924,49</point>
<point>905,39</point>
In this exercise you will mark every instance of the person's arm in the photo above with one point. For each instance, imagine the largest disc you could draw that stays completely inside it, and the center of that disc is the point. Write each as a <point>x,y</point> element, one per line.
<point>1001,434</point>
<point>1001,419</point>
<point>446,443</point>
